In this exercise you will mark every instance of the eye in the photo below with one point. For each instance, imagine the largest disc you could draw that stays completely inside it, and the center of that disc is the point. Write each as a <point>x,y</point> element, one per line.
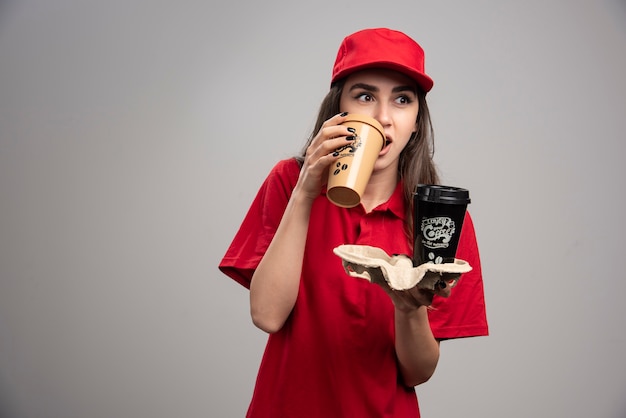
<point>364,97</point>
<point>404,99</point>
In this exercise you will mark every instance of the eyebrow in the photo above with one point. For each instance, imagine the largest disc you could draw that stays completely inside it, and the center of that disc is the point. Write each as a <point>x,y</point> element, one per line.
<point>375,89</point>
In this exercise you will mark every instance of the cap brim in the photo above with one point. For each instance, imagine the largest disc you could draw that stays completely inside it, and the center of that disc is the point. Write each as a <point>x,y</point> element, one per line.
<point>423,81</point>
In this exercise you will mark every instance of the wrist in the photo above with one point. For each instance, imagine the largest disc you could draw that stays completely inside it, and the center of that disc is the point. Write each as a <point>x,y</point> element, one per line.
<point>411,311</point>
<point>301,196</point>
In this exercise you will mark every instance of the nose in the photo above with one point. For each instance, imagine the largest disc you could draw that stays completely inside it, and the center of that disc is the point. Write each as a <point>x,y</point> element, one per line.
<point>381,114</point>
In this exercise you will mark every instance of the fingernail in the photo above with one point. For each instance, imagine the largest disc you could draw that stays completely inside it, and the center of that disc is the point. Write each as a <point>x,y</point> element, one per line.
<point>344,114</point>
<point>351,129</point>
<point>335,154</point>
<point>350,138</point>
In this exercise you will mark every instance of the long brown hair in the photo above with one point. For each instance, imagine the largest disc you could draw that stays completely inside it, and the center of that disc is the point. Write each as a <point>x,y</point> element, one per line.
<point>416,165</point>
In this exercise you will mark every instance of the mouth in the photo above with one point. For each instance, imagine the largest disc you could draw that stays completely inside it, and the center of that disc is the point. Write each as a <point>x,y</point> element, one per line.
<point>386,146</point>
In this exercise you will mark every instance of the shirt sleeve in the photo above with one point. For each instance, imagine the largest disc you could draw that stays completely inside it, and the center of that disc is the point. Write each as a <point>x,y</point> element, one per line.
<point>260,223</point>
<point>463,314</point>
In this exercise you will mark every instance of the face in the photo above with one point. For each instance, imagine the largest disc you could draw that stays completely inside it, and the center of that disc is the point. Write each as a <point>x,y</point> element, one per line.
<point>389,97</point>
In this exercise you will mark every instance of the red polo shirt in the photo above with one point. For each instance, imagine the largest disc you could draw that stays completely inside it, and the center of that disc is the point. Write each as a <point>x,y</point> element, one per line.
<point>335,355</point>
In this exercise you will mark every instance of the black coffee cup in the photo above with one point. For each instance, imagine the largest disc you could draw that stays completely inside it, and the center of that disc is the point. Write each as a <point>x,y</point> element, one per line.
<point>439,212</point>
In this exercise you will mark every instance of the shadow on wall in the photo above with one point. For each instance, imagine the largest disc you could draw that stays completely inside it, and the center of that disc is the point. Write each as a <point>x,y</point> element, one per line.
<point>6,9</point>
<point>4,5</point>
<point>617,9</point>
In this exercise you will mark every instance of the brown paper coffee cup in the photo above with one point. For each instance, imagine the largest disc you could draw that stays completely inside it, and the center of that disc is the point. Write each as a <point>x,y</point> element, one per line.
<point>349,175</point>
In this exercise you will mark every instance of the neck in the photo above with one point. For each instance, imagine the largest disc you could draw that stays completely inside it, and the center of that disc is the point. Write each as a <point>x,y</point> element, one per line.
<point>379,189</point>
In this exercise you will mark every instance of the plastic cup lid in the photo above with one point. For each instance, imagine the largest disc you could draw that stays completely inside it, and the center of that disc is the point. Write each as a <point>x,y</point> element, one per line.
<point>442,194</point>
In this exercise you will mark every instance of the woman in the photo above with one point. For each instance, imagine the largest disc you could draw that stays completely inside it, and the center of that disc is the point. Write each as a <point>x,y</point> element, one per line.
<point>340,346</point>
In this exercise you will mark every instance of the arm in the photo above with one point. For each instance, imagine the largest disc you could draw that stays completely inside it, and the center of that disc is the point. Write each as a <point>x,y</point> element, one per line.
<point>275,283</point>
<point>417,355</point>
<point>276,280</point>
<point>416,348</point>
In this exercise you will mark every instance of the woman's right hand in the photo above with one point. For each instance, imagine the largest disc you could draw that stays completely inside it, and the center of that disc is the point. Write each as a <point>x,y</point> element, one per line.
<point>321,154</point>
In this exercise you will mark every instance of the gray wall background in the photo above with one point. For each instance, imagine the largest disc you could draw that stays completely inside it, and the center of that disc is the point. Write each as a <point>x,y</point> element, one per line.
<point>134,135</point>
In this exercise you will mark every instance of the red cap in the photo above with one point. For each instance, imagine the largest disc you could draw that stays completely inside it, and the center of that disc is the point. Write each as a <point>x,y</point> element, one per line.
<point>381,48</point>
